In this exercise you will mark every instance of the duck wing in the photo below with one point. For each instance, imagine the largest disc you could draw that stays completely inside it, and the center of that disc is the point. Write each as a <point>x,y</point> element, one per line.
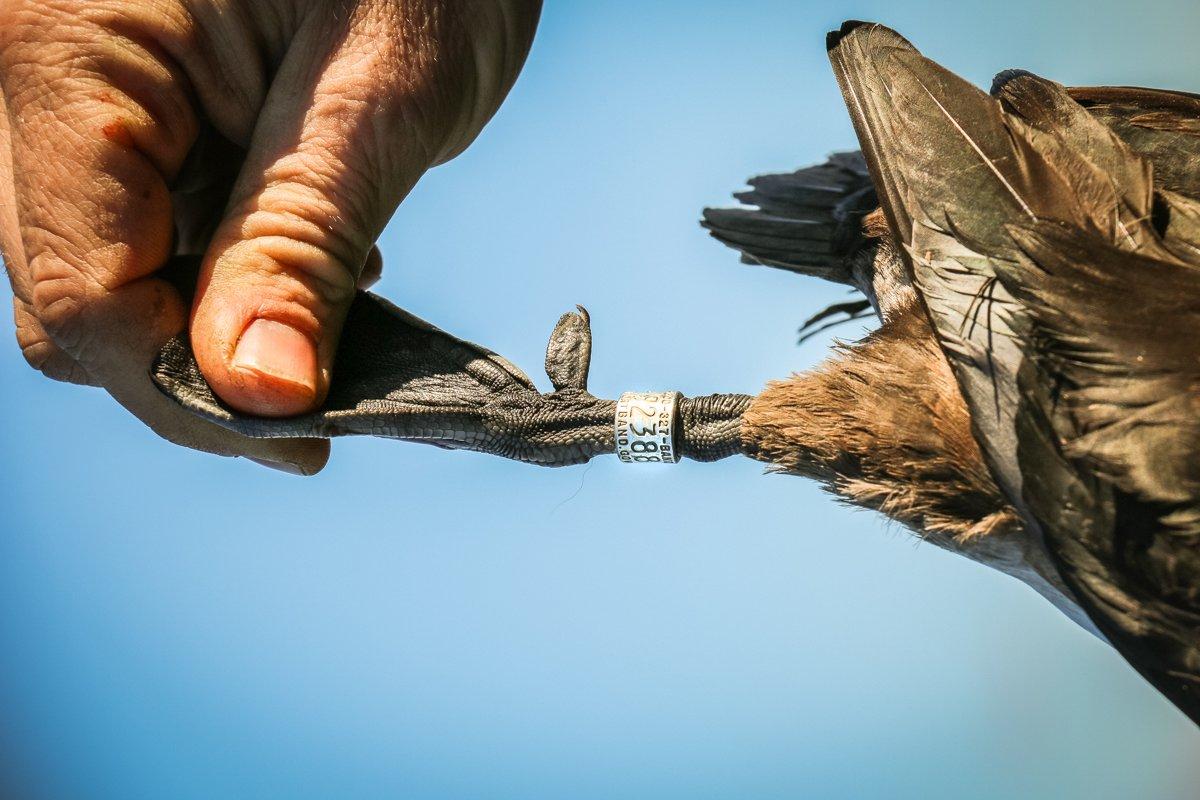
<point>1160,125</point>
<point>952,173</point>
<point>1109,433</point>
<point>1009,224</point>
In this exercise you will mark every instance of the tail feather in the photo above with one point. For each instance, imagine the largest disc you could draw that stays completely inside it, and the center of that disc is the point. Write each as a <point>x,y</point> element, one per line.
<point>808,221</point>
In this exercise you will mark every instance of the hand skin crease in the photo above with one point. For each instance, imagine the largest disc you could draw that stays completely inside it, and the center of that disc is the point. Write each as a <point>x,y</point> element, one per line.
<point>272,138</point>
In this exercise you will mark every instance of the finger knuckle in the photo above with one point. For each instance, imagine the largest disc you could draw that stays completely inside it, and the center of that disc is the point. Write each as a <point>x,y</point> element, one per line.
<point>42,355</point>
<point>61,309</point>
<point>54,364</point>
<point>36,348</point>
<point>310,246</point>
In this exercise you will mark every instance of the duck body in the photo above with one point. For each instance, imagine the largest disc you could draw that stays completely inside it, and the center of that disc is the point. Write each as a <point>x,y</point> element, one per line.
<point>1035,266</point>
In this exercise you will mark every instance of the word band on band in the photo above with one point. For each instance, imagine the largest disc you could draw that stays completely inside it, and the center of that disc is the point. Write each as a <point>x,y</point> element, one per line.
<point>645,427</point>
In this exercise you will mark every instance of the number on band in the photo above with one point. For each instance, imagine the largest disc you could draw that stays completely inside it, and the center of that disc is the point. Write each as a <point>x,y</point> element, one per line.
<point>645,427</point>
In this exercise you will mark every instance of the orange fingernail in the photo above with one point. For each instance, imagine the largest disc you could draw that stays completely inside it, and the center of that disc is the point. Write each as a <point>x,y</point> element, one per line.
<point>282,364</point>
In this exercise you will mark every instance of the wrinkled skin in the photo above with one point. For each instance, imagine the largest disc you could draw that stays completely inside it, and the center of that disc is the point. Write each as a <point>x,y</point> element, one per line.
<point>274,138</point>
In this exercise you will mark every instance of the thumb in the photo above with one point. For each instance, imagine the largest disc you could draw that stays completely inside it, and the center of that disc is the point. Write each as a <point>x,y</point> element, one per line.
<point>346,130</point>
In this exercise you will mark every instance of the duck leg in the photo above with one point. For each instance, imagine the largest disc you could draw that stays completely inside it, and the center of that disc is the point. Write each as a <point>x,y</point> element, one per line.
<point>399,377</point>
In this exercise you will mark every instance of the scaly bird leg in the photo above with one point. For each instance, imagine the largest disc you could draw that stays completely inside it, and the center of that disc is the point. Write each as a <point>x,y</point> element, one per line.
<point>401,378</point>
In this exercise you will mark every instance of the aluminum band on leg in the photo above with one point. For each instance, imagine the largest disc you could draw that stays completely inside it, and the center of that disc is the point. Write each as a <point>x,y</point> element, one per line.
<point>645,427</point>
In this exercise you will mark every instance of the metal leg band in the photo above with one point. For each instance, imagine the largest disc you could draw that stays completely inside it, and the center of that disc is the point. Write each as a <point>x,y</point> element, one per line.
<point>646,425</point>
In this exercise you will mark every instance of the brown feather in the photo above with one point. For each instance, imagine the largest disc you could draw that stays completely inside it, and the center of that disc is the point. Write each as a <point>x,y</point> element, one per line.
<point>883,425</point>
<point>1159,125</point>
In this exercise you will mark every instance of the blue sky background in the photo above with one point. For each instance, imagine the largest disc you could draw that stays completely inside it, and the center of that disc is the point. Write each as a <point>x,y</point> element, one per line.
<point>421,624</point>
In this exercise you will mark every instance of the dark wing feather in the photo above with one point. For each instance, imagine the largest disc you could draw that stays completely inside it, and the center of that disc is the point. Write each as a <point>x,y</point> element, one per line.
<point>1161,126</point>
<point>1050,107</point>
<point>1111,423</point>
<point>808,221</point>
<point>975,195</point>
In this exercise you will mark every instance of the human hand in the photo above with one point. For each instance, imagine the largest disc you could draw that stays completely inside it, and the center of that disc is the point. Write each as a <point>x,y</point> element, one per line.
<point>271,138</point>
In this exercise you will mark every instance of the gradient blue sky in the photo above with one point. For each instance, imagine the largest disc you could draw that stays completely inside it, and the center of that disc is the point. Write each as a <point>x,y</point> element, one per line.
<point>422,624</point>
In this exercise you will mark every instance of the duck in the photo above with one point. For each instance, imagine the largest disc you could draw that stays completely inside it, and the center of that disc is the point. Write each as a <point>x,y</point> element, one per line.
<point>1030,397</point>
